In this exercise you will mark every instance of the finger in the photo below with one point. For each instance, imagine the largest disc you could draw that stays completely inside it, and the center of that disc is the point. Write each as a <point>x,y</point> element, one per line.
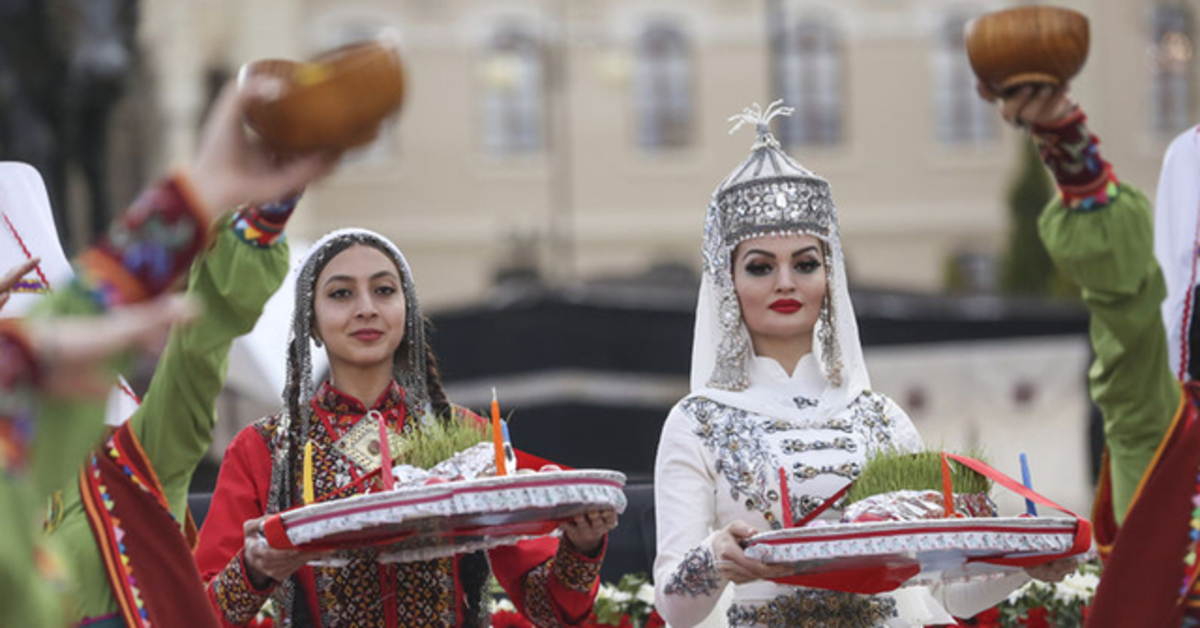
<point>1034,105</point>
<point>985,92</point>
<point>10,279</point>
<point>741,530</point>
<point>1015,103</point>
<point>3,299</point>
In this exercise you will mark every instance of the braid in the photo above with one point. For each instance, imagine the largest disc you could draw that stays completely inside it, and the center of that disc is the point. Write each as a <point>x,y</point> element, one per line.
<point>293,434</point>
<point>433,379</point>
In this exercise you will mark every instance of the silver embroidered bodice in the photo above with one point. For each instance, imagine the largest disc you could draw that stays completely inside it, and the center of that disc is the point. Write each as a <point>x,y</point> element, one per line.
<point>719,462</point>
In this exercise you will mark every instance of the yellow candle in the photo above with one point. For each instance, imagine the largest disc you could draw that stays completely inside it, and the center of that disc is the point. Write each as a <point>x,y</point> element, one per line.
<point>308,473</point>
<point>498,436</point>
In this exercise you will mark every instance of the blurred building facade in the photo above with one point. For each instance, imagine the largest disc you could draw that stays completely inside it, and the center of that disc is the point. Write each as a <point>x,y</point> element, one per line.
<point>570,140</point>
<point>575,138</point>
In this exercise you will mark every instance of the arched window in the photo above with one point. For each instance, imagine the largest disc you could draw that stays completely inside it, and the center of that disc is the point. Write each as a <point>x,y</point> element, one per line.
<point>810,76</point>
<point>1171,59</point>
<point>960,115</point>
<point>663,86</point>
<point>512,101</point>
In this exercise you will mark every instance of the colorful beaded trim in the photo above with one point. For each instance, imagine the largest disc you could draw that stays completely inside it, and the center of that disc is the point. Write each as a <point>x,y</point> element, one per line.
<point>37,286</point>
<point>118,535</point>
<point>262,225</point>
<point>1072,154</point>
<point>1191,565</point>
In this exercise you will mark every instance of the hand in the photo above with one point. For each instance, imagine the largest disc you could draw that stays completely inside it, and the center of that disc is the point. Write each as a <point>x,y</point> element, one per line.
<point>266,565</point>
<point>1053,571</point>
<point>732,561</point>
<point>73,350</point>
<point>231,167</point>
<point>586,531</point>
<point>1031,104</point>
<point>10,279</point>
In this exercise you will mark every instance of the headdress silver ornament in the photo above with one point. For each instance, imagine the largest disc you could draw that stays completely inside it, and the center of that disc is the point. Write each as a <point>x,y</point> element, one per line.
<point>769,194</point>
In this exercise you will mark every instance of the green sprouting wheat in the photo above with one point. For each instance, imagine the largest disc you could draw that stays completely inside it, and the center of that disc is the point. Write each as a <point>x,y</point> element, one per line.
<point>437,440</point>
<point>905,471</point>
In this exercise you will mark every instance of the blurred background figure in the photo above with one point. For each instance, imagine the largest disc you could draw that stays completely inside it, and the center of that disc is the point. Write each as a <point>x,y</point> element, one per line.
<point>64,66</point>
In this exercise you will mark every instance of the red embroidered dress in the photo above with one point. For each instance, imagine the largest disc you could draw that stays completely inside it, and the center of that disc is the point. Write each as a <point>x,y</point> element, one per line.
<point>552,584</point>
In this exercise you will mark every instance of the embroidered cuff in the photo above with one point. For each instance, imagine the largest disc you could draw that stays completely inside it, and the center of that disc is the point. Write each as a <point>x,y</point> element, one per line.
<point>148,248</point>
<point>575,571</point>
<point>262,225</point>
<point>235,595</point>
<point>696,576</point>
<point>1071,152</point>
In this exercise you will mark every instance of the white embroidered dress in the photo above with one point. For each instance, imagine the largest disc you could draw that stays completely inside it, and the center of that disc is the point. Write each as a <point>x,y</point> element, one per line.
<point>723,446</point>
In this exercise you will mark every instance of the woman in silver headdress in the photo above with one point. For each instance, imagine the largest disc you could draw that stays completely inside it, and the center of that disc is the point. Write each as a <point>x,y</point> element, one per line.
<point>355,297</point>
<point>778,382</point>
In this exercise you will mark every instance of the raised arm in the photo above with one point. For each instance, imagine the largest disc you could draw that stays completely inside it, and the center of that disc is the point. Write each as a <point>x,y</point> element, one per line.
<point>1099,232</point>
<point>231,283</point>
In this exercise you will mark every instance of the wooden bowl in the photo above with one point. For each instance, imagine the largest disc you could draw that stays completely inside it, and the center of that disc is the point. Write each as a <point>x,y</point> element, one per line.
<point>1031,44</point>
<point>332,103</point>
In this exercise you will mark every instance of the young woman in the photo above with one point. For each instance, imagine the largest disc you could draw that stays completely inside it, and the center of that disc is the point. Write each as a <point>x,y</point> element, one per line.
<point>778,383</point>
<point>355,297</point>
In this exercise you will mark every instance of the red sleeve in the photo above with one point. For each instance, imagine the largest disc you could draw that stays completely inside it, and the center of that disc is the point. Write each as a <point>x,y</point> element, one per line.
<point>550,583</point>
<point>241,495</point>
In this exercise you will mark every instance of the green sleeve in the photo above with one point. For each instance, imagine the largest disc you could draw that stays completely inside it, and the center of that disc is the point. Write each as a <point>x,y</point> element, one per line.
<point>1109,253</point>
<point>30,576</point>
<point>175,421</point>
<point>67,429</point>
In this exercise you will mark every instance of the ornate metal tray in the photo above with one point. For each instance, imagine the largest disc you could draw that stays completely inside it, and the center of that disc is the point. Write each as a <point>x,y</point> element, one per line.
<point>435,520</point>
<point>874,557</point>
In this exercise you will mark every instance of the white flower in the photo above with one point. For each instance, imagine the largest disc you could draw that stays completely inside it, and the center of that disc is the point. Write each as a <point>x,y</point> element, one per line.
<point>1016,596</point>
<point>645,594</point>
<point>1077,587</point>
<point>503,604</point>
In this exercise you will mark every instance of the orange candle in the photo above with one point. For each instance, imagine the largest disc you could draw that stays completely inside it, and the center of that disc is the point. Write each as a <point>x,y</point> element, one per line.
<point>498,436</point>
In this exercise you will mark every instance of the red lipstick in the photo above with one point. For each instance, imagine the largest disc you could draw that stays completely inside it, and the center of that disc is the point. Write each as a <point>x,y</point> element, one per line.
<point>786,306</point>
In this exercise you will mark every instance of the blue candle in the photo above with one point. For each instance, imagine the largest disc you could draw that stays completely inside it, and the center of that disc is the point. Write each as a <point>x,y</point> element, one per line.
<point>1030,507</point>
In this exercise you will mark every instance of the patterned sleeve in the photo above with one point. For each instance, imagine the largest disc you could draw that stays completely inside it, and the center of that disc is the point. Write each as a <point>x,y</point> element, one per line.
<point>1072,153</point>
<point>686,581</point>
<point>240,495</point>
<point>19,374</point>
<point>234,596</point>
<point>559,590</point>
<point>149,248</point>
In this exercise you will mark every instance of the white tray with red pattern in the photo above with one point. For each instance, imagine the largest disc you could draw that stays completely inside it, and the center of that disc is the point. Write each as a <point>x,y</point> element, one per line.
<point>435,520</point>
<point>878,556</point>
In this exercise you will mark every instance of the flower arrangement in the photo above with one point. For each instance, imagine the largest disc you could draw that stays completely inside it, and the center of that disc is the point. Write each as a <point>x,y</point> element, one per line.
<point>1044,604</point>
<point>630,604</point>
<point>627,604</point>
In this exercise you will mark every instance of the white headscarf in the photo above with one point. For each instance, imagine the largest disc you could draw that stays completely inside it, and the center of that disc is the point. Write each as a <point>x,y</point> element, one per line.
<point>771,194</point>
<point>27,230</point>
<point>1177,241</point>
